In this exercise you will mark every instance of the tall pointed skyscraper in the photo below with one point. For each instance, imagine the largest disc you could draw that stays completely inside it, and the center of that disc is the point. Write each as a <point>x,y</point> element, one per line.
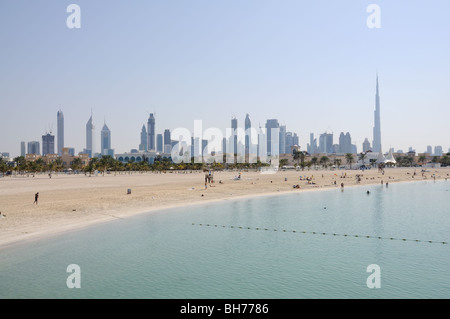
<point>151,133</point>
<point>60,131</point>
<point>248,136</point>
<point>105,140</point>
<point>376,145</point>
<point>90,137</point>
<point>144,144</point>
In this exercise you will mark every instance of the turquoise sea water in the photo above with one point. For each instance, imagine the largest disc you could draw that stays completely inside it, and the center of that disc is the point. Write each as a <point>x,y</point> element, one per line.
<point>168,254</point>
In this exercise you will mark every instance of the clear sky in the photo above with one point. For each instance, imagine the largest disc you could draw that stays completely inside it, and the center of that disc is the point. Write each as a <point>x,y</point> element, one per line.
<point>310,64</point>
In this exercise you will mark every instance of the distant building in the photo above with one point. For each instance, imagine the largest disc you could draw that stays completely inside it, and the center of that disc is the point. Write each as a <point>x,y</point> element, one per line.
<point>234,125</point>
<point>248,136</point>
<point>144,140</point>
<point>167,141</point>
<point>289,142</point>
<point>106,141</point>
<point>366,145</point>
<point>345,143</point>
<point>377,126</point>
<point>429,150</point>
<point>326,143</point>
<point>159,143</point>
<point>151,133</point>
<point>312,146</point>
<point>67,158</point>
<point>22,149</point>
<point>89,137</point>
<point>48,144</point>
<point>438,150</point>
<point>295,140</point>
<point>282,140</point>
<point>139,157</point>
<point>71,151</point>
<point>271,124</point>
<point>60,131</point>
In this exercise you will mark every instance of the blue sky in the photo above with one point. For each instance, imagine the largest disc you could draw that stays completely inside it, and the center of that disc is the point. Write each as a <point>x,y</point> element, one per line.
<point>310,64</point>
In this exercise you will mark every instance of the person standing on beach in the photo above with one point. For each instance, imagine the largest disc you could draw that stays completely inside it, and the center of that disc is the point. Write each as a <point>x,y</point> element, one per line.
<point>36,197</point>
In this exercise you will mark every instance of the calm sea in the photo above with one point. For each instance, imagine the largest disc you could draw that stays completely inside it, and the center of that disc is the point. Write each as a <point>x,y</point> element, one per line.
<point>286,246</point>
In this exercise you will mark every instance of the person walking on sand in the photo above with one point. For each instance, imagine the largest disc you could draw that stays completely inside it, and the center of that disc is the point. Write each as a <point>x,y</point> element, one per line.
<point>36,197</point>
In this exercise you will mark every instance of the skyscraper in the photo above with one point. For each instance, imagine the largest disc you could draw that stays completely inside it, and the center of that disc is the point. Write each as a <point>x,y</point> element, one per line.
<point>22,149</point>
<point>312,146</point>
<point>326,143</point>
<point>429,149</point>
<point>151,133</point>
<point>60,131</point>
<point>438,150</point>
<point>234,135</point>
<point>376,145</point>
<point>48,144</point>
<point>271,124</point>
<point>33,148</point>
<point>345,143</point>
<point>144,144</point>
<point>289,142</point>
<point>159,143</point>
<point>105,140</point>
<point>366,145</point>
<point>248,136</point>
<point>282,145</point>
<point>295,139</point>
<point>167,141</point>
<point>90,137</point>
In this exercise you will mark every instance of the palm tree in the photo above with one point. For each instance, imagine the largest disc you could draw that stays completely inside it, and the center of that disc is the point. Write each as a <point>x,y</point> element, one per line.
<point>299,157</point>
<point>314,161</point>
<point>283,162</point>
<point>349,158</point>
<point>324,160</point>
<point>362,157</point>
<point>76,164</point>
<point>21,164</point>
<point>3,166</point>
<point>422,159</point>
<point>445,160</point>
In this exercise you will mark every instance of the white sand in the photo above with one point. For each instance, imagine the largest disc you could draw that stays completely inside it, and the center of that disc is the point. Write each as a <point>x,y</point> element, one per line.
<point>69,202</point>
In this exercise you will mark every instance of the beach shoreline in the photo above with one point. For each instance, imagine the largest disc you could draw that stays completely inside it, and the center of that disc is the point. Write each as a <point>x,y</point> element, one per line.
<point>73,202</point>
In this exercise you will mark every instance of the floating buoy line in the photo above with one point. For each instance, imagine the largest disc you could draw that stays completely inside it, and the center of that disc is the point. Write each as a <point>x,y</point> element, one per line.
<point>322,233</point>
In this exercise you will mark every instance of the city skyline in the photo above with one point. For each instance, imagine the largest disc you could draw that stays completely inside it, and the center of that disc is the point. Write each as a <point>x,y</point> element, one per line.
<point>309,66</point>
<point>326,142</point>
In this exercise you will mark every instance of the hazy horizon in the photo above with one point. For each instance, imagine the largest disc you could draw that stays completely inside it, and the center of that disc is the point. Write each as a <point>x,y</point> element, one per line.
<point>310,65</point>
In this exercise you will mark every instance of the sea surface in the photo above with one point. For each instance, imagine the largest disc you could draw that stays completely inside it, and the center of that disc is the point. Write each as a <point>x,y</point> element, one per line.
<point>299,245</point>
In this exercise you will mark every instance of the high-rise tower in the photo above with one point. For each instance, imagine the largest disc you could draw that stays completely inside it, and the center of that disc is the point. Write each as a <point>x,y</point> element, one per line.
<point>105,140</point>
<point>234,124</point>
<point>48,144</point>
<point>60,131</point>
<point>248,136</point>
<point>151,133</point>
<point>376,145</point>
<point>144,144</point>
<point>90,137</point>
<point>272,124</point>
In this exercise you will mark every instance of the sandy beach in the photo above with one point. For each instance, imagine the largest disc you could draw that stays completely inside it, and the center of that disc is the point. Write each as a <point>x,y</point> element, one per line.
<point>70,202</point>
